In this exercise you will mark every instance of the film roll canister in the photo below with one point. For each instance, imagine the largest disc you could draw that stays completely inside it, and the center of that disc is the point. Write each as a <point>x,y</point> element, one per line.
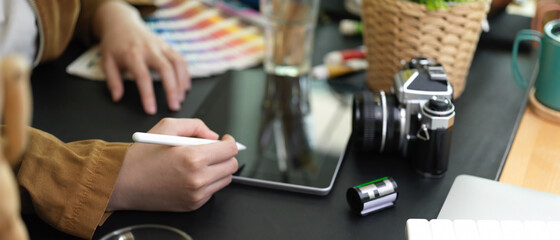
<point>372,196</point>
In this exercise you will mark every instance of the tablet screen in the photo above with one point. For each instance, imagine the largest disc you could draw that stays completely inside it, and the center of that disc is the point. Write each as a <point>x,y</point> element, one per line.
<point>295,129</point>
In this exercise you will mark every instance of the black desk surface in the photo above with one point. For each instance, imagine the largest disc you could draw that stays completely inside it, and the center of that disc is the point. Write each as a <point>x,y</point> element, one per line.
<point>487,115</point>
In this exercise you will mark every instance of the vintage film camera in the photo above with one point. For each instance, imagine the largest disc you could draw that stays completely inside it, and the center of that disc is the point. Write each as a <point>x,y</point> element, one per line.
<point>416,119</point>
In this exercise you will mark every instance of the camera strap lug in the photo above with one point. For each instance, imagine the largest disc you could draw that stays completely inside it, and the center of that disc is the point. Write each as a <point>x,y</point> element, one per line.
<point>423,133</point>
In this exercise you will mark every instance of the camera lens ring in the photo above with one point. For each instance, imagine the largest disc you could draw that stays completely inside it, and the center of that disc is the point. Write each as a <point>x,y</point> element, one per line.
<point>394,126</point>
<point>363,123</point>
<point>402,127</point>
<point>369,129</point>
<point>384,123</point>
<point>378,122</point>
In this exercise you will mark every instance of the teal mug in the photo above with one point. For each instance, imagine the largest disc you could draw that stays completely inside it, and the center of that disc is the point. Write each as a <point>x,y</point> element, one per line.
<point>547,85</point>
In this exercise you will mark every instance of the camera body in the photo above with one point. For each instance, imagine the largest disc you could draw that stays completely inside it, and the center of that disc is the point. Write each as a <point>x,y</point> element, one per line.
<point>416,119</point>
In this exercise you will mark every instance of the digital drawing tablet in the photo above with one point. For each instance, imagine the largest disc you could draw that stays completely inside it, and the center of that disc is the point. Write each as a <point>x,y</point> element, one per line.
<point>296,130</point>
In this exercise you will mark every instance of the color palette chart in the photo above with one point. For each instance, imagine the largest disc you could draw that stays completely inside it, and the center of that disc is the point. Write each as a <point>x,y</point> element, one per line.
<point>210,41</point>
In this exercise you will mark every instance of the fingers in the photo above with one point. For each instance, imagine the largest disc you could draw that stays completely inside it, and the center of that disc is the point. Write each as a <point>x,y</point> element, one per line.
<point>205,178</point>
<point>222,169</point>
<point>216,153</point>
<point>185,127</point>
<point>204,194</point>
<point>146,51</point>
<point>139,70</point>
<point>181,72</point>
<point>168,79</point>
<point>218,185</point>
<point>114,81</point>
<point>200,130</point>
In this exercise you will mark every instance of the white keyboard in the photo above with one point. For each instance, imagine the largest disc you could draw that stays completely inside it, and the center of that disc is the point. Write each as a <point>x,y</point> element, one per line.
<point>444,229</point>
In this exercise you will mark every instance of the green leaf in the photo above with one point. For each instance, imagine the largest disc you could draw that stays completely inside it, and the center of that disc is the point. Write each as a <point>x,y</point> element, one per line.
<point>433,5</point>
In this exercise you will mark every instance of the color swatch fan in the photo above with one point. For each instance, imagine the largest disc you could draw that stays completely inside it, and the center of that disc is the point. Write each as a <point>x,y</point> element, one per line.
<point>210,41</point>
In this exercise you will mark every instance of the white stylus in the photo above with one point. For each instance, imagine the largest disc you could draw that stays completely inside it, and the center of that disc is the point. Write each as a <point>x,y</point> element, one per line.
<point>153,138</point>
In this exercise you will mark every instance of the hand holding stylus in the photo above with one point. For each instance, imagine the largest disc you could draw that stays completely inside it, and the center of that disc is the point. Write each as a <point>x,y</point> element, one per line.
<point>157,177</point>
<point>153,138</point>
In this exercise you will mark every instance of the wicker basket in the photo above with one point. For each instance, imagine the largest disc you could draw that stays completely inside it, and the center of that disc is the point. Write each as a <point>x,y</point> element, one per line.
<point>398,30</point>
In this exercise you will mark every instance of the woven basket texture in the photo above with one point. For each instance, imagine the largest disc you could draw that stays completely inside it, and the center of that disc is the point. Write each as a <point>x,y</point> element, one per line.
<point>397,30</point>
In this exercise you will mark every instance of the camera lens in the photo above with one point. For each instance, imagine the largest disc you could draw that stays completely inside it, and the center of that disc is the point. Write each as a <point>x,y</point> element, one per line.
<point>376,122</point>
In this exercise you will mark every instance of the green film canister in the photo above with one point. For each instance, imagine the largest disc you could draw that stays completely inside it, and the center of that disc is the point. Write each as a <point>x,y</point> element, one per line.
<point>372,196</point>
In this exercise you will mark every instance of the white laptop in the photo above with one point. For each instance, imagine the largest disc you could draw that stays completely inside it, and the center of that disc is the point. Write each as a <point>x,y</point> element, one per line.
<point>482,209</point>
<point>478,199</point>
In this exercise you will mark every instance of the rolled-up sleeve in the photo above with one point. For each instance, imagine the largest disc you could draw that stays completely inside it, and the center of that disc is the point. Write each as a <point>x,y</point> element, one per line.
<point>70,184</point>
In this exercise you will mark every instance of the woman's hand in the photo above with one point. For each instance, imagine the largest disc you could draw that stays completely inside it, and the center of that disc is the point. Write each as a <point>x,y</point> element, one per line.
<point>127,44</point>
<point>174,178</point>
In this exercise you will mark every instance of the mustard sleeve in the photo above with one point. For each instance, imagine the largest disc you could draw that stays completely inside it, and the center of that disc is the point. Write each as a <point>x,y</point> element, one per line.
<point>69,184</point>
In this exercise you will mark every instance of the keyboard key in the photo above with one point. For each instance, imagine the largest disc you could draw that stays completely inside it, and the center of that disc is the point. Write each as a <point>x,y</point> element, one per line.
<point>442,229</point>
<point>512,230</point>
<point>468,229</point>
<point>418,229</point>
<point>489,230</point>
<point>465,230</point>
<point>554,230</point>
<point>535,230</point>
